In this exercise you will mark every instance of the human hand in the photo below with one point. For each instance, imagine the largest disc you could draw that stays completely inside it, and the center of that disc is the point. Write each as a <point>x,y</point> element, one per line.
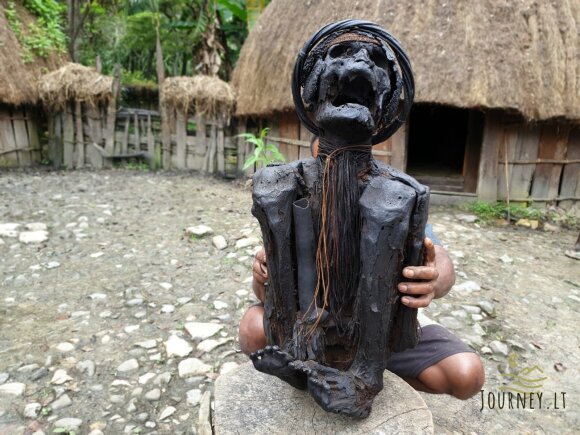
<point>260,274</point>
<point>421,293</point>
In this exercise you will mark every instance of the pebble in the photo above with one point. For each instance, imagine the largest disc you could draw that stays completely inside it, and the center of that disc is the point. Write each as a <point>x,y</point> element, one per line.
<point>193,397</point>
<point>96,432</point>
<point>487,307</point>
<point>52,265</point>
<point>150,424</point>
<point>486,350</point>
<point>147,344</point>
<point>166,285</point>
<point>469,218</point>
<point>86,366</point>
<point>499,348</point>
<point>551,228</point>
<point>68,423</point>
<point>120,383</point>
<point>466,288</point>
<point>31,410</point>
<point>134,302</point>
<point>142,416</point>
<point>9,230</point>
<point>201,331</point>
<point>192,367</point>
<point>60,377</point>
<point>471,309</point>
<point>167,412</point>
<point>62,402</point>
<point>451,322</point>
<point>176,346</point>
<point>143,379</point>
<point>65,347</point>
<point>506,259</point>
<point>4,377</point>
<point>131,328</point>
<point>247,242</point>
<point>98,296</point>
<point>210,344</point>
<point>184,300</point>
<point>219,242</point>
<point>12,389</point>
<point>162,379</point>
<point>33,237</point>
<point>36,226</point>
<point>153,395</point>
<point>128,366</point>
<point>38,374</point>
<point>477,329</point>
<point>476,317</point>
<point>242,293</point>
<point>167,308</point>
<point>27,368</point>
<point>219,305</point>
<point>459,314</point>
<point>199,230</point>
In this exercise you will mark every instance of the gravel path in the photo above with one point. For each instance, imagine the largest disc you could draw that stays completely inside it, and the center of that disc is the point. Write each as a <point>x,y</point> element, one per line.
<point>120,320</point>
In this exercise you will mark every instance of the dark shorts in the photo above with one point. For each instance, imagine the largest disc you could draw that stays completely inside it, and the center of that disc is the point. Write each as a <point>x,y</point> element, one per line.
<point>436,343</point>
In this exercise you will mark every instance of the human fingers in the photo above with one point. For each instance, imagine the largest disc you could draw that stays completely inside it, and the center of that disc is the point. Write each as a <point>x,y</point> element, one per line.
<point>417,302</point>
<point>421,272</point>
<point>429,252</point>
<point>259,271</point>
<point>416,288</point>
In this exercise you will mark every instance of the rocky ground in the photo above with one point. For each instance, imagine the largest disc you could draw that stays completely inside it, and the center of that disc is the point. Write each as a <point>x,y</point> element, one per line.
<point>114,319</point>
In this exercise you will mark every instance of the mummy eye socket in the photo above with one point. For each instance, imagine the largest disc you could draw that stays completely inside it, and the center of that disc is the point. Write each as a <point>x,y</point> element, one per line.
<point>379,58</point>
<point>337,51</point>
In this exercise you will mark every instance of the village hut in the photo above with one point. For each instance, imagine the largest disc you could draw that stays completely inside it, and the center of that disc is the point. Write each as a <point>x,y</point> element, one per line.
<point>497,99</point>
<point>81,104</point>
<point>20,114</point>
<point>198,111</point>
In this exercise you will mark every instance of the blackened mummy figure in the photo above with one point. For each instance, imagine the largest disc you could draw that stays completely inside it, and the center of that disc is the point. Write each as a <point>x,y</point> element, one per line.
<point>338,229</point>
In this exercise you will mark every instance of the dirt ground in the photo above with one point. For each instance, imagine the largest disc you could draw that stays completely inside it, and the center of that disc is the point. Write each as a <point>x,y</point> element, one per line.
<point>96,320</point>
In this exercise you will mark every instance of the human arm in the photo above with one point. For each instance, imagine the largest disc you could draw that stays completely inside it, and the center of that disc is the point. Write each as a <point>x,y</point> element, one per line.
<point>433,280</point>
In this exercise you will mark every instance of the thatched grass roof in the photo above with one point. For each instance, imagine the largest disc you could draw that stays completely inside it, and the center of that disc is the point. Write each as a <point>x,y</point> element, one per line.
<point>522,55</point>
<point>17,78</point>
<point>201,94</point>
<point>74,82</point>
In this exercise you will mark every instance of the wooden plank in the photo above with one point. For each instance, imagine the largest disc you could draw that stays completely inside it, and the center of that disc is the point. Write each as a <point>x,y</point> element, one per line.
<point>55,154</point>
<point>212,150</point>
<point>80,138</point>
<point>151,143</point>
<point>508,147</point>
<point>137,133</point>
<point>200,143</point>
<point>125,137</point>
<point>21,139</point>
<point>241,145</point>
<point>472,150</point>
<point>7,140</point>
<point>33,137</point>
<point>221,147</point>
<point>527,149</point>
<point>290,128</point>
<point>553,144</point>
<point>111,113</point>
<point>383,151</point>
<point>68,138</point>
<point>488,167</point>
<point>570,186</point>
<point>306,136</point>
<point>180,134</point>
<point>399,143</point>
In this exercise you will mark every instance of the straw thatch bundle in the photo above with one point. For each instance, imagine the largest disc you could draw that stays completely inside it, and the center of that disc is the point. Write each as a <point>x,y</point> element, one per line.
<point>17,78</point>
<point>74,82</point>
<point>522,55</point>
<point>201,94</point>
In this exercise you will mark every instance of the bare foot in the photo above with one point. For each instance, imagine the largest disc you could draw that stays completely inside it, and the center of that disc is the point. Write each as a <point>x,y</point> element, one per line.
<point>273,361</point>
<point>337,391</point>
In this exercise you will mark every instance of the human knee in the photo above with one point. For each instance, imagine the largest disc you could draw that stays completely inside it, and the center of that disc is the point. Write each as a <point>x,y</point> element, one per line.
<point>467,377</point>
<point>251,330</point>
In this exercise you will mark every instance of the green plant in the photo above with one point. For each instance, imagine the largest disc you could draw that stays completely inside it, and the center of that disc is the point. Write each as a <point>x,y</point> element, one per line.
<point>265,153</point>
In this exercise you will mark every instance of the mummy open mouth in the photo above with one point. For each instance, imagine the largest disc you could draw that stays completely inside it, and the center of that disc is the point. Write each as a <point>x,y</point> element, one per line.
<point>354,90</point>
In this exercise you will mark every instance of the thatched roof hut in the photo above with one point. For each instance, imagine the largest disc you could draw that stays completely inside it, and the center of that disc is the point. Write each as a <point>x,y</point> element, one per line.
<point>74,82</point>
<point>17,77</point>
<point>200,94</point>
<point>522,55</point>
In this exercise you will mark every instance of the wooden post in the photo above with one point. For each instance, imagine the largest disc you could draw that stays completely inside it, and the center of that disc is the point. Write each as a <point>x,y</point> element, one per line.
<point>80,142</point>
<point>488,164</point>
<point>8,154</point>
<point>201,142</point>
<point>21,139</point>
<point>220,145</point>
<point>553,141</point>
<point>180,139</point>
<point>241,144</point>
<point>165,136</point>
<point>56,146</point>
<point>137,133</point>
<point>211,150</point>
<point>112,113</point>
<point>125,141</point>
<point>95,134</point>
<point>68,137</point>
<point>570,185</point>
<point>33,136</point>
<point>150,143</point>
<point>399,142</point>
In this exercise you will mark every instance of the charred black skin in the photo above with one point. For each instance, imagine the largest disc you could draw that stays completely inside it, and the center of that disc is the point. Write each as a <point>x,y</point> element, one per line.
<point>345,91</point>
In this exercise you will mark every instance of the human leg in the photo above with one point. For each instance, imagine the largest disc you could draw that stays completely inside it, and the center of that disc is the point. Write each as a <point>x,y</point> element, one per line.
<point>251,335</point>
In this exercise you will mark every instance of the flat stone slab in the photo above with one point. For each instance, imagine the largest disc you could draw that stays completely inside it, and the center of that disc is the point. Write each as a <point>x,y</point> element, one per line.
<point>247,401</point>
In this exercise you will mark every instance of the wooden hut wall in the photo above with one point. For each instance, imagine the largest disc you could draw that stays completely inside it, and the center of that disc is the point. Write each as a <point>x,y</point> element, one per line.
<point>529,162</point>
<point>293,140</point>
<point>19,140</point>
